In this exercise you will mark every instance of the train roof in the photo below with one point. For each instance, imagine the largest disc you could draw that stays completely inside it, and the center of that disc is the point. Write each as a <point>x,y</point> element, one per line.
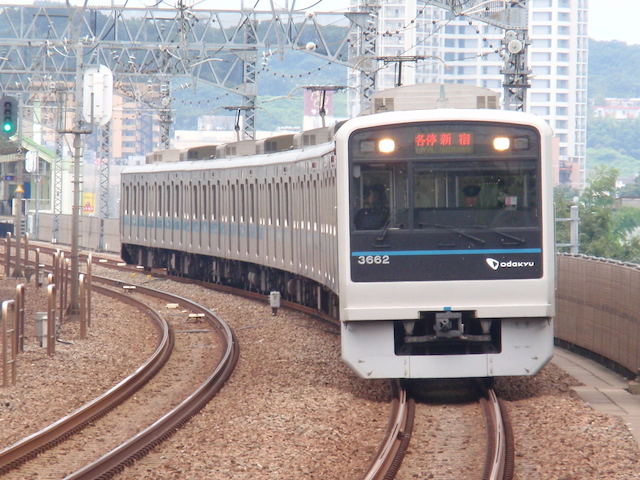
<point>244,161</point>
<point>445,115</point>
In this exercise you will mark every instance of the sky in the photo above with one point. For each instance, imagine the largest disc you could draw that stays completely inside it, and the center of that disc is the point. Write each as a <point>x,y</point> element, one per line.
<point>614,20</point>
<point>608,19</point>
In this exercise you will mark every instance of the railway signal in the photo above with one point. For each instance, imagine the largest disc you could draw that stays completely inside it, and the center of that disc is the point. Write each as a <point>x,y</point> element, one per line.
<point>9,110</point>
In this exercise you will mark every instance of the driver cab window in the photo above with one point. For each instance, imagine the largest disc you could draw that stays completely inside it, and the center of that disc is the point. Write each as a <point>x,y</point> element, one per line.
<point>380,196</point>
<point>372,193</point>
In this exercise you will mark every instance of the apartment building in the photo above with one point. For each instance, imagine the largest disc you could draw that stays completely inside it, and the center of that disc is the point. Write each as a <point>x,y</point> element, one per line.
<point>437,47</point>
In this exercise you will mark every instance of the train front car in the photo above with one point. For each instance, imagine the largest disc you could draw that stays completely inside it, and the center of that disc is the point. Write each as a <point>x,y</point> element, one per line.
<point>446,231</point>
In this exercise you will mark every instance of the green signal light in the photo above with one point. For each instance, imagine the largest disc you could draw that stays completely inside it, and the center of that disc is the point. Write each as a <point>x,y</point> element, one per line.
<point>9,114</point>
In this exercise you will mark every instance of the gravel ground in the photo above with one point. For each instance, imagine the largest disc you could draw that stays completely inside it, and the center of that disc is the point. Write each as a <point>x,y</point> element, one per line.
<point>292,410</point>
<point>48,388</point>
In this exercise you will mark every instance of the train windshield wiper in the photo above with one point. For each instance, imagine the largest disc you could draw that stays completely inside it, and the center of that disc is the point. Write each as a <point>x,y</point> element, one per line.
<point>502,234</point>
<point>453,229</point>
<point>383,233</point>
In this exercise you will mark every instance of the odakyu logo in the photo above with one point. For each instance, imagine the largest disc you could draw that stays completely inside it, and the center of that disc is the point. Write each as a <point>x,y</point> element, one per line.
<point>495,264</point>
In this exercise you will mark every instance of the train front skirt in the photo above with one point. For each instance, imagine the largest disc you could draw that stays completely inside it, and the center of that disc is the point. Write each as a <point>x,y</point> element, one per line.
<point>370,348</point>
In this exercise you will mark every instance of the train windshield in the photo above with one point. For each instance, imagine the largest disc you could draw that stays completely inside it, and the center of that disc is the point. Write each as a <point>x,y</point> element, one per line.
<point>435,187</point>
<point>419,195</point>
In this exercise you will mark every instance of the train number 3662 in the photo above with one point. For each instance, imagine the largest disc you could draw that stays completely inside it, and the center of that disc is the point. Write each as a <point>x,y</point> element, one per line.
<point>373,260</point>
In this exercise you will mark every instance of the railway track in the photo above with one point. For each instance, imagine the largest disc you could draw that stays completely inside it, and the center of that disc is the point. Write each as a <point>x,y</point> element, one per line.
<point>498,464</point>
<point>460,433</point>
<point>499,461</point>
<point>127,452</point>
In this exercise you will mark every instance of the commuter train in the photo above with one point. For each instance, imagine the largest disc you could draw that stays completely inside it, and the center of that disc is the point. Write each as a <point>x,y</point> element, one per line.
<point>429,234</point>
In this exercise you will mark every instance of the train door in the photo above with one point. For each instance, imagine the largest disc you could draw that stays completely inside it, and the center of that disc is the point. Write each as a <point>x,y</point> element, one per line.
<point>306,255</point>
<point>224,218</point>
<point>194,216</point>
<point>305,258</point>
<point>170,213</point>
<point>166,210</point>
<point>125,212</point>
<point>143,214</point>
<point>185,224</point>
<point>215,216</point>
<point>269,238</point>
<point>315,227</point>
<point>294,209</point>
<point>239,217</point>
<point>243,231</point>
<point>321,207</point>
<point>232,234</point>
<point>157,225</point>
<point>205,242</point>
<point>175,223</point>
<point>134,212</point>
<point>333,225</point>
<point>254,223</point>
<point>279,247</point>
<point>151,211</point>
<point>261,218</point>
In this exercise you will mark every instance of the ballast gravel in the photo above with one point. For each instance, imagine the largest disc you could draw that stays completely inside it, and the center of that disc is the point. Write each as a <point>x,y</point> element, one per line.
<point>292,409</point>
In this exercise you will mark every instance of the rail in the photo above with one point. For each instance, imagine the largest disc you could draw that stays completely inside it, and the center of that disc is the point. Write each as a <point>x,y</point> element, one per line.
<point>20,452</point>
<point>396,440</point>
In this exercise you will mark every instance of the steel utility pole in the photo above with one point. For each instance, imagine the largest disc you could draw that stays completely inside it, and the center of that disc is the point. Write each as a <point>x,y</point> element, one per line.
<point>513,17</point>
<point>74,303</point>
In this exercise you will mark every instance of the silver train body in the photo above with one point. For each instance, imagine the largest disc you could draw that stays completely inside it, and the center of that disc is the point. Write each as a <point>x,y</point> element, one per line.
<point>429,234</point>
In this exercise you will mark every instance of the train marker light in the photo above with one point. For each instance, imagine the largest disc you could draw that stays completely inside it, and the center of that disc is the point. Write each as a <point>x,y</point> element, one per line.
<point>386,145</point>
<point>9,110</point>
<point>501,143</point>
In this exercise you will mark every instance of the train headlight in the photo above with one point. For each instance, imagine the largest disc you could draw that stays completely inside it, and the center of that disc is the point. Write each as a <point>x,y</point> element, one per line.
<point>386,145</point>
<point>501,143</point>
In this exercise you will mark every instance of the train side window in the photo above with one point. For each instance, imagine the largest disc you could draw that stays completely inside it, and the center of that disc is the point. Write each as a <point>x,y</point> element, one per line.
<point>242,212</point>
<point>278,205</point>
<point>214,202</point>
<point>151,193</point>
<point>195,208</point>
<point>167,209</point>
<point>176,200</point>
<point>205,204</point>
<point>186,200</point>
<point>252,205</point>
<point>314,206</point>
<point>286,218</point>
<point>134,200</point>
<point>233,203</point>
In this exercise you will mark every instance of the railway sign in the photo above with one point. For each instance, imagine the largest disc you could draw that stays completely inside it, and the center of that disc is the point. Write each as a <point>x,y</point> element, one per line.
<point>97,101</point>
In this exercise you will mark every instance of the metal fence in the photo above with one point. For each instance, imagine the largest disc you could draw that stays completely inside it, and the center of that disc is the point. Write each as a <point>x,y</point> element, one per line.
<point>89,231</point>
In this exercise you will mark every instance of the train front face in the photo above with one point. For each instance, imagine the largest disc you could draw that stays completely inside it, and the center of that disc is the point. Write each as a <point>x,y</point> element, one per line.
<point>447,270</point>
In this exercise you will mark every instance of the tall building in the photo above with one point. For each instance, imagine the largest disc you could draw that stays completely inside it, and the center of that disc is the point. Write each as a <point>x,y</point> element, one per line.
<point>417,43</point>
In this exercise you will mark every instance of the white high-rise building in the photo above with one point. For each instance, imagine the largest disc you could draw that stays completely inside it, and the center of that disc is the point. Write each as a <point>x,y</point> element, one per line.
<point>417,43</point>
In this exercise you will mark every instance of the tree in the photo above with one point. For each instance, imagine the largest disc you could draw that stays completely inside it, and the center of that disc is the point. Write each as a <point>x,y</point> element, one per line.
<point>631,189</point>
<point>606,231</point>
<point>563,200</point>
